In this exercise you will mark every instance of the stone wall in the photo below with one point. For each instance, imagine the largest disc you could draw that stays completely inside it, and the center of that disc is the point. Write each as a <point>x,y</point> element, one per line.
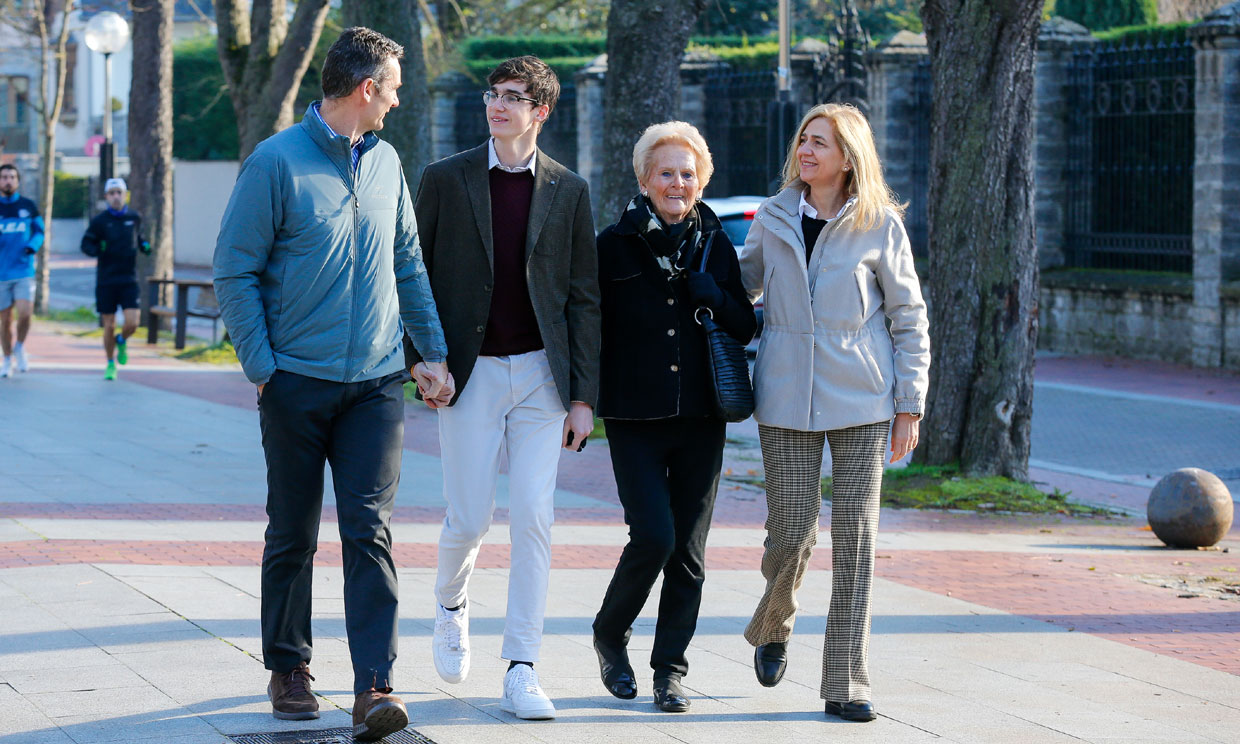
<point>1138,323</point>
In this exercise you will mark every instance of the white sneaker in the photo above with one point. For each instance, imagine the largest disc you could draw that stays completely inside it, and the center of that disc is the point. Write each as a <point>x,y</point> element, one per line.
<point>523,697</point>
<point>6,367</point>
<point>23,361</point>
<point>451,643</point>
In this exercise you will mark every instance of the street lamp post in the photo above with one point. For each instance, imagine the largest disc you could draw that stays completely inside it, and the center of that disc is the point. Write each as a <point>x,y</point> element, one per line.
<point>107,33</point>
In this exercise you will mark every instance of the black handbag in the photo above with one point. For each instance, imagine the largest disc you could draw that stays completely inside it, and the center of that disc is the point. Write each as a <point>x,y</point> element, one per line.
<point>729,366</point>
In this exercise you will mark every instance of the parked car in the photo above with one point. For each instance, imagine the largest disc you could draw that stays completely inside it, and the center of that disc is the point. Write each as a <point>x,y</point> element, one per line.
<point>736,215</point>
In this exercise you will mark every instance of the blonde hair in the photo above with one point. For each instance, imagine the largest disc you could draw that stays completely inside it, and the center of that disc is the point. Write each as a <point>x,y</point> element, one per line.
<point>672,133</point>
<point>865,178</point>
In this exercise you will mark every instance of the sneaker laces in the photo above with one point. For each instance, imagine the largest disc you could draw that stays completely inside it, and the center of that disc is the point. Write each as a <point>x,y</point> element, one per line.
<point>298,683</point>
<point>450,628</point>
<point>526,680</point>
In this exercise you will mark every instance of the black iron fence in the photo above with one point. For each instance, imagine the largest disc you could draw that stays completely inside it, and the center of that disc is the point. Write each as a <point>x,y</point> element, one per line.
<point>1130,156</point>
<point>916,221</point>
<point>558,138</point>
<point>737,131</point>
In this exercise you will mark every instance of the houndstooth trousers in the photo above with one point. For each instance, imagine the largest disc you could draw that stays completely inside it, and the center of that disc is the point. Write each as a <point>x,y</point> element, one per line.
<point>793,463</point>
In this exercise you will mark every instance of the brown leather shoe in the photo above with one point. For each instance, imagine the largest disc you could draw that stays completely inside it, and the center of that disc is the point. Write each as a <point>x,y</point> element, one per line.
<point>377,713</point>
<point>291,698</point>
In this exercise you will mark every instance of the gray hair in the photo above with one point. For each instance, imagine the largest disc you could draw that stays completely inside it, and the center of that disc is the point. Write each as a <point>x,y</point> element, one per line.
<point>358,54</point>
<point>672,133</point>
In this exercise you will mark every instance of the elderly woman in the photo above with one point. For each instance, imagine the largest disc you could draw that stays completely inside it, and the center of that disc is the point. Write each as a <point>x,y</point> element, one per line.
<point>655,397</point>
<point>830,254</point>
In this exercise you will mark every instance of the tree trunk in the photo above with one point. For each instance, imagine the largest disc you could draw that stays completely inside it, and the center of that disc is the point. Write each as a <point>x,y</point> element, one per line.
<point>52,72</point>
<point>150,135</point>
<point>645,44</point>
<point>264,56</point>
<point>407,127</point>
<point>983,259</point>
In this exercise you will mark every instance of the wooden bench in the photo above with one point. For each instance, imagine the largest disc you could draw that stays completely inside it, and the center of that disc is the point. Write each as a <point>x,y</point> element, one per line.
<point>204,306</point>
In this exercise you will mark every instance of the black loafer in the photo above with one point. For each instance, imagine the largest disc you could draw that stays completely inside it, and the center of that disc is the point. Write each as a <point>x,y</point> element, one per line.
<point>669,697</point>
<point>860,711</point>
<point>769,662</point>
<point>614,668</point>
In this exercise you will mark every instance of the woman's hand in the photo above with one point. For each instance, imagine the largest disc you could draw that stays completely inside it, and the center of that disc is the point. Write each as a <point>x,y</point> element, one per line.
<point>904,434</point>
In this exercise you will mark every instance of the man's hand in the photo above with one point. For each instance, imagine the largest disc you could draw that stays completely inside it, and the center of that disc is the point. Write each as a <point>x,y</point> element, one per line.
<point>435,383</point>
<point>580,421</point>
<point>904,434</point>
<point>260,389</point>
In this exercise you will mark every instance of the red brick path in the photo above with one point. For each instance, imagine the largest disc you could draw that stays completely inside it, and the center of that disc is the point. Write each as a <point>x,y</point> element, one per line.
<point>1089,594</point>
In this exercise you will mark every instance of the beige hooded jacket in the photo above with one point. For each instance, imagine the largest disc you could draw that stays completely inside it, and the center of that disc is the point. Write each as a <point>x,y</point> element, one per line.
<point>826,359</point>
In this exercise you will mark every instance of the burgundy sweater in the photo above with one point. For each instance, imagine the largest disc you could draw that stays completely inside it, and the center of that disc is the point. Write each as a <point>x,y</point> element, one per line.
<point>512,327</point>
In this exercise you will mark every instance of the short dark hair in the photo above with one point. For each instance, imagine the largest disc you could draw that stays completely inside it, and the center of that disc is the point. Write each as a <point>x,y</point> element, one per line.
<point>10,166</point>
<point>541,83</point>
<point>358,54</point>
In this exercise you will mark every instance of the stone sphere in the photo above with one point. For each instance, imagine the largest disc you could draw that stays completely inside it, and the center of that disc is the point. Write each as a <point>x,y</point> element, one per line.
<point>1190,508</point>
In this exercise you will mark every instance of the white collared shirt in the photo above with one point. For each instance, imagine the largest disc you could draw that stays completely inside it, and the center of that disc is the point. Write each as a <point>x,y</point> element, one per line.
<point>493,160</point>
<point>805,209</point>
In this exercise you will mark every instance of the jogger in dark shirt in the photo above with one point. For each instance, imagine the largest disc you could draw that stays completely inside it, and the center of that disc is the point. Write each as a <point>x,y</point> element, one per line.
<point>115,236</point>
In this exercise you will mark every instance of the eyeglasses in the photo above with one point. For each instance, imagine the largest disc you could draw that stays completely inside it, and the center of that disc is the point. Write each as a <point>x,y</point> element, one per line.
<point>510,99</point>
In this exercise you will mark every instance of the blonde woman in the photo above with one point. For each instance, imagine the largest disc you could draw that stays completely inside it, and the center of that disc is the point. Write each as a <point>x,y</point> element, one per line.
<point>831,258</point>
<point>666,440</point>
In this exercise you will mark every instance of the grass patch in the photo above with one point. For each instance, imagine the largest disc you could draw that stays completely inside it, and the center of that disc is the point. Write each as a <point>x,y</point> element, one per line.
<point>218,353</point>
<point>942,487</point>
<point>81,314</point>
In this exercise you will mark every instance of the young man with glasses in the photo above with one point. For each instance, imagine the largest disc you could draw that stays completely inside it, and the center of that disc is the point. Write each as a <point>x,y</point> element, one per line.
<point>508,239</point>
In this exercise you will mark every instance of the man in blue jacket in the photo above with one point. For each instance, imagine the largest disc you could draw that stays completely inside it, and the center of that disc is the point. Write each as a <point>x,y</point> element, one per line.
<point>319,274</point>
<point>21,237</point>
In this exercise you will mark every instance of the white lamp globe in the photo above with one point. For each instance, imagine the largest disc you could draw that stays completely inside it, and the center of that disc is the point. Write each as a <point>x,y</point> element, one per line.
<point>106,33</point>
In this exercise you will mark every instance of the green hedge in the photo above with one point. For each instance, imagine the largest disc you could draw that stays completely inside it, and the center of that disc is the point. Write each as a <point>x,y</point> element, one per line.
<point>204,126</point>
<point>500,48</point>
<point>1152,33</point>
<point>72,196</point>
<point>565,67</point>
<point>1099,15</point>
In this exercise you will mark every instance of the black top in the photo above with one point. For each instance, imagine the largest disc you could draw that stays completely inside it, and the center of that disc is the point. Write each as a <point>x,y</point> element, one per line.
<point>810,230</point>
<point>512,327</point>
<point>654,353</point>
<point>116,240</point>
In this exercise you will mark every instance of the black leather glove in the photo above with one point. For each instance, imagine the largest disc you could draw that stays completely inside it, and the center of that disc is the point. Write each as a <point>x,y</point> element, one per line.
<point>31,251</point>
<point>703,291</point>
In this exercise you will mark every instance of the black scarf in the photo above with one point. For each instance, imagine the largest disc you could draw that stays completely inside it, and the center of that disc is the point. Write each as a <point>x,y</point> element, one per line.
<point>671,245</point>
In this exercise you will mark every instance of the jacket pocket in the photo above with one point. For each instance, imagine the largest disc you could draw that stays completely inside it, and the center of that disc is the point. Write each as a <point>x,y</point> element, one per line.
<point>876,353</point>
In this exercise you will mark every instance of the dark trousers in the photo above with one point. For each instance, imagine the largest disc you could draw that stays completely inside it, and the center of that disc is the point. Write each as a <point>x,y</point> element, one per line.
<point>357,427</point>
<point>667,473</point>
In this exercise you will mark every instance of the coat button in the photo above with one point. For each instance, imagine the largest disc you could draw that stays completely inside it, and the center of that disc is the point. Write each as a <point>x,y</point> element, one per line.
<point>479,329</point>
<point>670,301</point>
<point>486,287</point>
<point>671,331</point>
<point>675,368</point>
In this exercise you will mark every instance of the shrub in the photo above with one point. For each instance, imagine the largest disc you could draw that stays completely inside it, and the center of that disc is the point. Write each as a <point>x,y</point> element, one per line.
<point>71,198</point>
<point>1099,15</point>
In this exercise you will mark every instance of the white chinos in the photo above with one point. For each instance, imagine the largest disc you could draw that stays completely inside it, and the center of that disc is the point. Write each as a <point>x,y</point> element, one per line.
<point>509,403</point>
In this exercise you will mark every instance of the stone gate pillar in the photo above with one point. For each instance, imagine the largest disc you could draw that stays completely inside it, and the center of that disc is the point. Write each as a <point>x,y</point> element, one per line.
<point>1058,40</point>
<point>1216,177</point>
<point>443,114</point>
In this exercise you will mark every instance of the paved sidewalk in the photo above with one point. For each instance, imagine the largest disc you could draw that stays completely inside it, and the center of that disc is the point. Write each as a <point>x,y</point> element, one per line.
<point>131,519</point>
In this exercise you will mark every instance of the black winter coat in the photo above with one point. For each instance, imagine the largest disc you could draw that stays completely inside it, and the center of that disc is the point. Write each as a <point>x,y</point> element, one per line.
<point>654,352</point>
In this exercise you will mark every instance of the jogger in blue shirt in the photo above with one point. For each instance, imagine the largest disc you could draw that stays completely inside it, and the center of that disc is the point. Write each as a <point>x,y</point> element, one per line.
<point>21,237</point>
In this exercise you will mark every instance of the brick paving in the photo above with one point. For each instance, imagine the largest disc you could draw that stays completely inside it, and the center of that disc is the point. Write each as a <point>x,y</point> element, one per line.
<point>1096,594</point>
